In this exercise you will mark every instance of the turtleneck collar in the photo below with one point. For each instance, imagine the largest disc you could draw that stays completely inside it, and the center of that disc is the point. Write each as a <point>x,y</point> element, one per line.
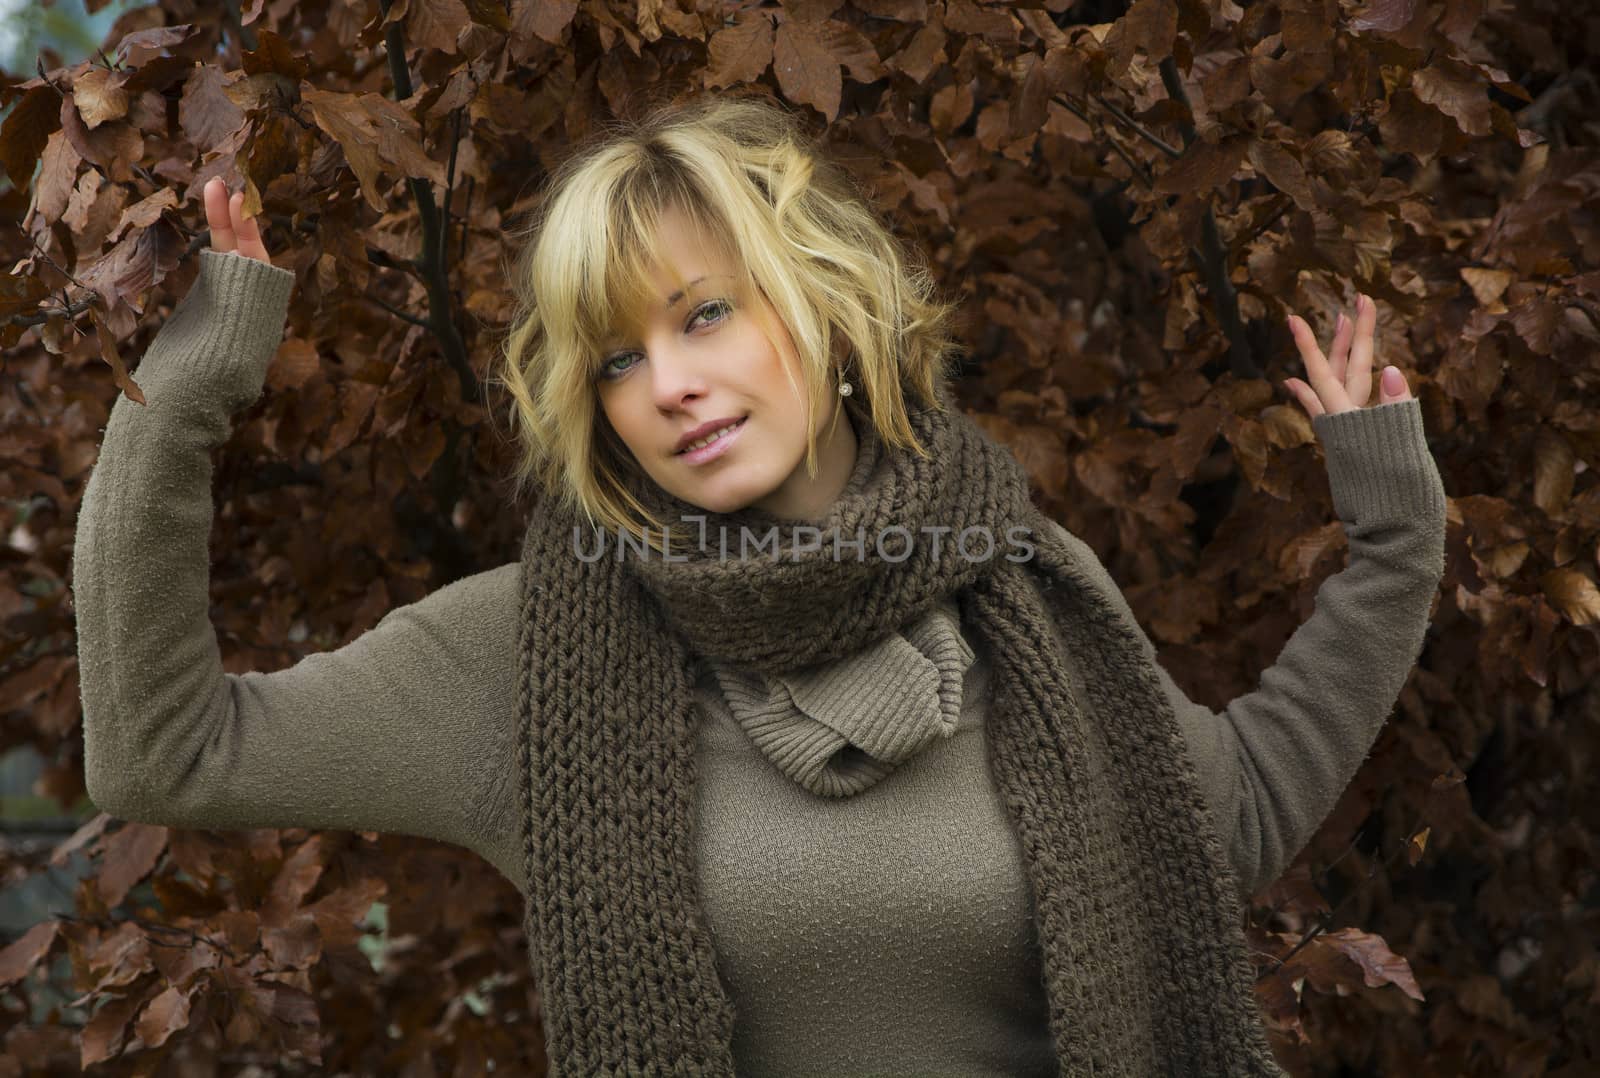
<point>840,727</point>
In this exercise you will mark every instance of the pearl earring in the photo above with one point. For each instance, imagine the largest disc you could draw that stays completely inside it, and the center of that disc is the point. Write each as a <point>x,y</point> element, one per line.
<point>845,389</point>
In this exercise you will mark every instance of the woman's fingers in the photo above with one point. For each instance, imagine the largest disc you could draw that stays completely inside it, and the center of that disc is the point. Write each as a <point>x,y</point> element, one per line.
<point>218,218</point>
<point>230,229</point>
<point>1358,379</point>
<point>1328,389</point>
<point>247,230</point>
<point>1305,395</point>
<point>1339,350</point>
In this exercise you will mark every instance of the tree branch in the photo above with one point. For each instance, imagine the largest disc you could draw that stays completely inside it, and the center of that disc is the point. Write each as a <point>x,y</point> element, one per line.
<point>430,264</point>
<point>1213,256</point>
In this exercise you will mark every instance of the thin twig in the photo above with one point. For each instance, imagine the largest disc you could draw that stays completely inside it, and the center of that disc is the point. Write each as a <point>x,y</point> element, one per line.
<point>149,926</point>
<point>1138,171</point>
<point>404,316</point>
<point>449,186</point>
<point>1139,129</point>
<point>44,314</point>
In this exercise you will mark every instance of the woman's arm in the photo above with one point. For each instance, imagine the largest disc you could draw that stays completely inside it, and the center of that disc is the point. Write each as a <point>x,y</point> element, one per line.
<point>399,731</point>
<point>1274,762</point>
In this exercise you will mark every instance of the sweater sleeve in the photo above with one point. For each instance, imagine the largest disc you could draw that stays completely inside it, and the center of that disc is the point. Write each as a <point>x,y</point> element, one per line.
<point>399,731</point>
<point>1273,763</point>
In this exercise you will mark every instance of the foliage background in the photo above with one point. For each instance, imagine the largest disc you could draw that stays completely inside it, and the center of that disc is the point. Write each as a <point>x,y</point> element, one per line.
<point>1128,199</point>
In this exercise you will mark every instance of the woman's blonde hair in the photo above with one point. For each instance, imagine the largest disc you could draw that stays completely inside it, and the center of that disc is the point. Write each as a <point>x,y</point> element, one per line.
<point>743,172</point>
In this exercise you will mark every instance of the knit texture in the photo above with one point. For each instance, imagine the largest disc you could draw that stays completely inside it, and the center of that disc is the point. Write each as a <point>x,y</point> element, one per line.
<point>1144,964</point>
<point>842,727</point>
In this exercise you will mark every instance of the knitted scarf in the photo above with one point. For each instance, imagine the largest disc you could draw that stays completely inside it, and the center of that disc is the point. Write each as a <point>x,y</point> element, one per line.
<point>1137,912</point>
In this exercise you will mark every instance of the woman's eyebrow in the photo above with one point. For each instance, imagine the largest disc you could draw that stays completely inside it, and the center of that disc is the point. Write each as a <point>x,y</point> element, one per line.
<point>673,300</point>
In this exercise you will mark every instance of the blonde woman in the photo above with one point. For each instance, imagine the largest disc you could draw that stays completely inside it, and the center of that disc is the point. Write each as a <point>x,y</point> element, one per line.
<point>812,746</point>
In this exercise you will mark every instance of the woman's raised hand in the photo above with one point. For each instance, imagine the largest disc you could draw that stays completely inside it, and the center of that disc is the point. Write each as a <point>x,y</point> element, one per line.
<point>1342,380</point>
<point>230,230</point>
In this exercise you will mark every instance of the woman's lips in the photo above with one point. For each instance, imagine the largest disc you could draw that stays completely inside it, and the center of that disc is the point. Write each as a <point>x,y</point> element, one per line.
<point>715,449</point>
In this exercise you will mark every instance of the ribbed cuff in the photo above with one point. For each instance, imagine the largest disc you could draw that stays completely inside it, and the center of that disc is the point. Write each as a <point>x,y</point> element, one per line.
<point>222,335</point>
<point>1379,464</point>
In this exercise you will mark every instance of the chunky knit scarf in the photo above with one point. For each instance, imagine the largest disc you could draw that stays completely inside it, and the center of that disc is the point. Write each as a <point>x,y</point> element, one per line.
<point>1137,913</point>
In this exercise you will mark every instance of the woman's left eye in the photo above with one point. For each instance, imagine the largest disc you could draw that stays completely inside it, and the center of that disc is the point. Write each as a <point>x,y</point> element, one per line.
<point>715,305</point>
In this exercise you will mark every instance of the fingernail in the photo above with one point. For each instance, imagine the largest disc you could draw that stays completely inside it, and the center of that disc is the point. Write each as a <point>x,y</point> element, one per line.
<point>1338,323</point>
<point>1393,384</point>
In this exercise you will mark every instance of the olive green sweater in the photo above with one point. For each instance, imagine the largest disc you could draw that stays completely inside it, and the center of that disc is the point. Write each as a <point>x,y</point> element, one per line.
<point>869,917</point>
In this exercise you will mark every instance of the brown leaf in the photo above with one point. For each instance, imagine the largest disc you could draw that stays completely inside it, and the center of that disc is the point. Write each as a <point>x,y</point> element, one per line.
<point>163,1016</point>
<point>1204,166</point>
<point>355,405</point>
<point>58,173</point>
<point>129,856</point>
<point>1415,847</point>
<point>296,944</point>
<point>422,447</point>
<point>104,1034</point>
<point>925,51</point>
<point>965,17</point>
<point>114,146</point>
<point>302,868</point>
<point>25,131</point>
<point>851,48</point>
<point>113,357</point>
<point>1385,15</point>
<point>490,13</point>
<point>544,19</point>
<point>99,96</point>
<point>741,52</point>
<point>1150,26</point>
<point>1553,474</point>
<point>274,55</point>
<point>293,365</point>
<point>135,48</point>
<point>1410,126</point>
<point>1463,99</point>
<point>144,213</point>
<point>135,264</point>
<point>1487,285</point>
<point>807,72</point>
<point>80,838</point>
<point>1228,85</point>
<point>1572,593</point>
<point>19,957</point>
<point>338,915</point>
<point>1300,555</point>
<point>1536,320</point>
<point>207,112</point>
<point>376,134</point>
<point>949,108</point>
<point>435,24</point>
<point>30,681</point>
<point>120,957</point>
<point>1278,163</point>
<point>1378,963</point>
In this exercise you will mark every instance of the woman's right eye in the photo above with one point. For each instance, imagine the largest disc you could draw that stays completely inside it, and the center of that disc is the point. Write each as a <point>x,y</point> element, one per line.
<point>609,371</point>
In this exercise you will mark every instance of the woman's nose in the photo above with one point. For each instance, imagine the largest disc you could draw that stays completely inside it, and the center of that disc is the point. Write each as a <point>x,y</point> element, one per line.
<point>675,377</point>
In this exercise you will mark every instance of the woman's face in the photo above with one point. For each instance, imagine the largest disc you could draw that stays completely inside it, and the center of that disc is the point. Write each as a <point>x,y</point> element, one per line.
<point>702,358</point>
